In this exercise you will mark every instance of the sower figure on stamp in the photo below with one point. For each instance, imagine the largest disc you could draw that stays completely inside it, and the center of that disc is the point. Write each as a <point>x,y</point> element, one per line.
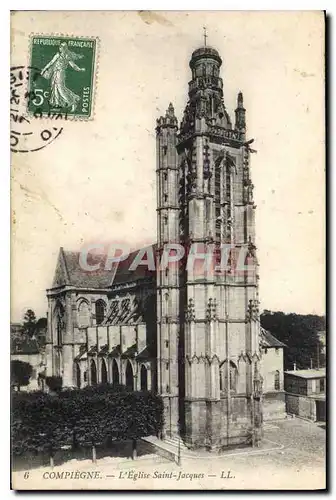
<point>60,95</point>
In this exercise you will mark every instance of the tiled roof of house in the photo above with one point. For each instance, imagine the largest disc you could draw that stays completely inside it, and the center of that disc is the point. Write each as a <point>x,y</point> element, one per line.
<point>266,339</point>
<point>71,271</point>
<point>314,373</point>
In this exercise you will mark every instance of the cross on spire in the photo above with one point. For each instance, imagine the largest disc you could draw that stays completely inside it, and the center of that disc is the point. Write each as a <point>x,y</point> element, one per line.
<point>205,35</point>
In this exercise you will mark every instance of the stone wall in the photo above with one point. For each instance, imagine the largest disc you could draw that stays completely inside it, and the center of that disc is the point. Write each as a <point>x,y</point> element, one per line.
<point>274,406</point>
<point>273,400</point>
<point>301,406</point>
<point>221,424</point>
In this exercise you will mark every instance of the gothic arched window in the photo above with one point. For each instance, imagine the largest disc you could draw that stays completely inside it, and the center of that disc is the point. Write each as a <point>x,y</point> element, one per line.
<point>59,330</point>
<point>233,377</point>
<point>59,313</point>
<point>228,201</point>
<point>77,375</point>
<point>277,381</point>
<point>100,311</point>
<point>218,221</point>
<point>93,372</point>
<point>125,309</point>
<point>115,373</point>
<point>84,314</point>
<point>143,378</point>
<point>103,372</point>
<point>129,376</point>
<point>58,362</point>
<point>114,311</point>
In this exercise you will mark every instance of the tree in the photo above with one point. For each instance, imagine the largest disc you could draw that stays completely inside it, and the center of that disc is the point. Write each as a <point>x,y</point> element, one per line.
<point>41,324</point>
<point>29,323</point>
<point>41,330</point>
<point>299,333</point>
<point>99,415</point>
<point>20,373</point>
<point>54,383</point>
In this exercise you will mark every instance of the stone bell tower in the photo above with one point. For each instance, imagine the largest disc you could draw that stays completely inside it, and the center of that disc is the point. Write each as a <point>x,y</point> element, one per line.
<point>208,317</point>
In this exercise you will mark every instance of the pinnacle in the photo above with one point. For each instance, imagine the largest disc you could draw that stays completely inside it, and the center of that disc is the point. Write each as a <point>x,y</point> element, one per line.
<point>170,111</point>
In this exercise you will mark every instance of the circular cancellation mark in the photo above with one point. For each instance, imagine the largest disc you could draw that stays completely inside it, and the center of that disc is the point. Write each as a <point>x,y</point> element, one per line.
<point>29,132</point>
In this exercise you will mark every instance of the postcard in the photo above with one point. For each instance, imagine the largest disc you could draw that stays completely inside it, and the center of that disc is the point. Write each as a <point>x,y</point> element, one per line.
<point>168,326</point>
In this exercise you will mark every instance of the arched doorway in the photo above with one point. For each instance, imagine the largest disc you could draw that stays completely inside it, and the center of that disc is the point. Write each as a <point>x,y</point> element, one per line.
<point>103,372</point>
<point>93,372</point>
<point>129,376</point>
<point>78,375</point>
<point>143,378</point>
<point>115,373</point>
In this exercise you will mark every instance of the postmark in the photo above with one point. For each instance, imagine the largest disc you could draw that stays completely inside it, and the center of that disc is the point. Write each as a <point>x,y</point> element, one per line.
<point>66,79</point>
<point>29,133</point>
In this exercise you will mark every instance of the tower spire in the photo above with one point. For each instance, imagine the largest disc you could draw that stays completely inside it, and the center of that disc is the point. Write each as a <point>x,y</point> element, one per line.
<point>205,35</point>
<point>240,113</point>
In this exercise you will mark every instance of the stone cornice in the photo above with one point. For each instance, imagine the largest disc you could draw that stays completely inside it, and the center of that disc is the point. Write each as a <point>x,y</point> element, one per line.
<point>70,288</point>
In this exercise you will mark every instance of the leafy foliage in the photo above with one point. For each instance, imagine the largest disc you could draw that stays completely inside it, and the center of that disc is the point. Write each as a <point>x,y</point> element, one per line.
<point>42,422</point>
<point>41,323</point>
<point>29,323</point>
<point>54,383</point>
<point>299,333</point>
<point>20,373</point>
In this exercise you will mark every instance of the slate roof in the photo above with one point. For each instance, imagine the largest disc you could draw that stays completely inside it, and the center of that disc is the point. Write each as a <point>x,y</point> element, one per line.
<point>115,351</point>
<point>266,339</point>
<point>82,353</point>
<point>145,354</point>
<point>92,350</point>
<point>103,350</point>
<point>125,275</point>
<point>70,271</point>
<point>130,352</point>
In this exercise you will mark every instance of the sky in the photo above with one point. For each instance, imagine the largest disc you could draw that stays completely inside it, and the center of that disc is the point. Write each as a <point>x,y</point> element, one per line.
<point>96,181</point>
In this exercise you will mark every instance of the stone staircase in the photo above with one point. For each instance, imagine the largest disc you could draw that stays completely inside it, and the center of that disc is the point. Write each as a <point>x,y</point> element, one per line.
<point>170,448</point>
<point>176,442</point>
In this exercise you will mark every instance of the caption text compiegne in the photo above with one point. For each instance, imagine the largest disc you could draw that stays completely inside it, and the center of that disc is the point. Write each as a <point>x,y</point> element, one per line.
<point>134,475</point>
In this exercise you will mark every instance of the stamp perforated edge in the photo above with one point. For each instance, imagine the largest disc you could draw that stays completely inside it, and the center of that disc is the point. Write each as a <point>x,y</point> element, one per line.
<point>95,70</point>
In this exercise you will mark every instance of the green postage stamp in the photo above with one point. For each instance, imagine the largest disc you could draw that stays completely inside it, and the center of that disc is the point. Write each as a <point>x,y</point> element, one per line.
<point>64,73</point>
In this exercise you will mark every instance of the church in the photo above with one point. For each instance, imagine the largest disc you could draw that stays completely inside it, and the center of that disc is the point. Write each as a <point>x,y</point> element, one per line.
<point>192,336</point>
